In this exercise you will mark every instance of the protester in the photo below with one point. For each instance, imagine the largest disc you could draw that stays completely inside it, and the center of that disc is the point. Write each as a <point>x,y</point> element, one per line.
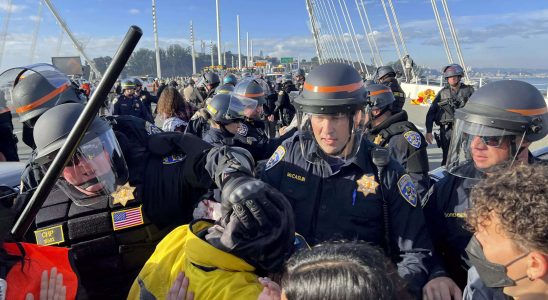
<point>174,110</point>
<point>509,248</point>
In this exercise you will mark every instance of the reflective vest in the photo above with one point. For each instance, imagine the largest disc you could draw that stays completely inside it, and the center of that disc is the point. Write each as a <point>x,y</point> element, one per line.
<point>25,276</point>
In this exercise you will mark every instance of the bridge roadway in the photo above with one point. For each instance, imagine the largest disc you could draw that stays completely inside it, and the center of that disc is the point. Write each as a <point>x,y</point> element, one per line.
<point>417,115</point>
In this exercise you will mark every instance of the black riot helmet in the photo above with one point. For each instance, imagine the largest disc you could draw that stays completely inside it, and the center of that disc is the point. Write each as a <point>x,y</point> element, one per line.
<point>384,71</point>
<point>502,114</point>
<point>452,70</point>
<point>211,78</point>
<point>218,108</point>
<point>251,88</point>
<point>97,168</point>
<point>335,90</point>
<point>378,96</point>
<point>36,88</point>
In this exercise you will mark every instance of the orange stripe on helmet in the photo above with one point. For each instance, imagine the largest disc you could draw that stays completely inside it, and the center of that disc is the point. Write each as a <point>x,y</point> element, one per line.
<point>42,100</point>
<point>375,93</point>
<point>530,112</point>
<point>333,89</point>
<point>252,95</point>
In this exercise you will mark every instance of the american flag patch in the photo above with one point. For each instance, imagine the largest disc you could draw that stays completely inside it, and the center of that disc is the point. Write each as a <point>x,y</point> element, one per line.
<point>126,218</point>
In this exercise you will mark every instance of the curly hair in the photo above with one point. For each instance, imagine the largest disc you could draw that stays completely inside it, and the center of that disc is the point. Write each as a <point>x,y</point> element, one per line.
<point>170,103</point>
<point>518,197</point>
<point>342,270</point>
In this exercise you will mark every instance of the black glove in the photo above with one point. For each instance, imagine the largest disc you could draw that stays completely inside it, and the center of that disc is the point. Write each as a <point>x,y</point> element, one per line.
<point>257,224</point>
<point>228,161</point>
<point>166,143</point>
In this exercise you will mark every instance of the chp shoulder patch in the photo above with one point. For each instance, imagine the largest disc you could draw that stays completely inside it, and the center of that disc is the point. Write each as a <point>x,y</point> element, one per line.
<point>407,190</point>
<point>413,138</point>
<point>242,130</point>
<point>275,158</point>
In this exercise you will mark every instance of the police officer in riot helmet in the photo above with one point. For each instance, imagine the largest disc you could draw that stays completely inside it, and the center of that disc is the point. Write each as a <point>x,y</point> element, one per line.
<point>210,81</point>
<point>387,76</point>
<point>35,89</point>
<point>393,130</point>
<point>230,79</point>
<point>129,104</point>
<point>492,132</point>
<point>330,175</point>
<point>105,208</point>
<point>223,124</point>
<point>229,82</point>
<point>252,130</point>
<point>145,97</point>
<point>454,95</point>
<point>284,111</point>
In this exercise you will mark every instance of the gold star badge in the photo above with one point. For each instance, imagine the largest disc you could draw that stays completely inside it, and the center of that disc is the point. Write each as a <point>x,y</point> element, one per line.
<point>378,139</point>
<point>123,194</point>
<point>367,185</point>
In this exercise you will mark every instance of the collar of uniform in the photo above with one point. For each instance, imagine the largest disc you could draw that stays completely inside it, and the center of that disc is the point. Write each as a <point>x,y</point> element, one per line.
<point>363,159</point>
<point>202,253</point>
<point>397,117</point>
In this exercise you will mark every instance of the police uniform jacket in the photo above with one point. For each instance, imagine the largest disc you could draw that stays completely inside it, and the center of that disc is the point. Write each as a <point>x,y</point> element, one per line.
<point>131,106</point>
<point>252,137</point>
<point>407,146</point>
<point>445,207</point>
<point>344,202</point>
<point>212,273</point>
<point>444,105</point>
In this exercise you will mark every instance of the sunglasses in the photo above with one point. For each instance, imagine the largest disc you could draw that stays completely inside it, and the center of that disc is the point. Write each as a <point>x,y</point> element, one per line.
<point>491,141</point>
<point>87,152</point>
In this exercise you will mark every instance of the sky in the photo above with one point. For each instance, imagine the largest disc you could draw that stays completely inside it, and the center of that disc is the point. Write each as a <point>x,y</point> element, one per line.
<point>493,33</point>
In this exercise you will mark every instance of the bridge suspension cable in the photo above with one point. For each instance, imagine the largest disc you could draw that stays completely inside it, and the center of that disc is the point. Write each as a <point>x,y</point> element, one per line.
<point>367,37</point>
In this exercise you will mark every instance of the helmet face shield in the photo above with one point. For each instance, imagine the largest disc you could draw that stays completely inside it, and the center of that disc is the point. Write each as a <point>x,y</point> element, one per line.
<point>327,137</point>
<point>477,149</point>
<point>241,107</point>
<point>95,170</point>
<point>33,89</point>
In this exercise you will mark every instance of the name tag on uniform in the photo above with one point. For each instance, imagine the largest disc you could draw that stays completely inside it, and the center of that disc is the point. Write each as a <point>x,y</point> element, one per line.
<point>50,236</point>
<point>127,218</point>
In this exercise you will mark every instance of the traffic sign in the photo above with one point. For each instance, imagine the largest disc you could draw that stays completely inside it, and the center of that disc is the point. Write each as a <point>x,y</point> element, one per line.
<point>286,60</point>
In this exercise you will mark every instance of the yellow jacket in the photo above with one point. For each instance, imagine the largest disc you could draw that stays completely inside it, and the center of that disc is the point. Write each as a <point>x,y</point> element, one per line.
<point>213,274</point>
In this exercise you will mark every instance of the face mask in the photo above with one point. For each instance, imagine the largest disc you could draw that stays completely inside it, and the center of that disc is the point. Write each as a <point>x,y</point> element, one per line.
<point>492,274</point>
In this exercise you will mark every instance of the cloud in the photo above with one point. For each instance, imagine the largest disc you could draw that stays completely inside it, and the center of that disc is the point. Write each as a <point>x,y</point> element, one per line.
<point>14,7</point>
<point>134,11</point>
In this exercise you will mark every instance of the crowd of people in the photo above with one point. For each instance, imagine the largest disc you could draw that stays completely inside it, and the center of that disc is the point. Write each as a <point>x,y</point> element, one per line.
<point>314,186</point>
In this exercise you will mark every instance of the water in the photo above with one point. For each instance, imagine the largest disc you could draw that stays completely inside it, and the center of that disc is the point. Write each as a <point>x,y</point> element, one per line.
<point>540,83</point>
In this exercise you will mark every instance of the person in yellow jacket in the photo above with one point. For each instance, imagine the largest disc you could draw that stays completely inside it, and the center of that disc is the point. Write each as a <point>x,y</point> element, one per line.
<point>223,259</point>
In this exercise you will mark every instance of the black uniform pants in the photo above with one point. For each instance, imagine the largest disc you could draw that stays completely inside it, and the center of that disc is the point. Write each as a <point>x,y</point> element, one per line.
<point>445,138</point>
